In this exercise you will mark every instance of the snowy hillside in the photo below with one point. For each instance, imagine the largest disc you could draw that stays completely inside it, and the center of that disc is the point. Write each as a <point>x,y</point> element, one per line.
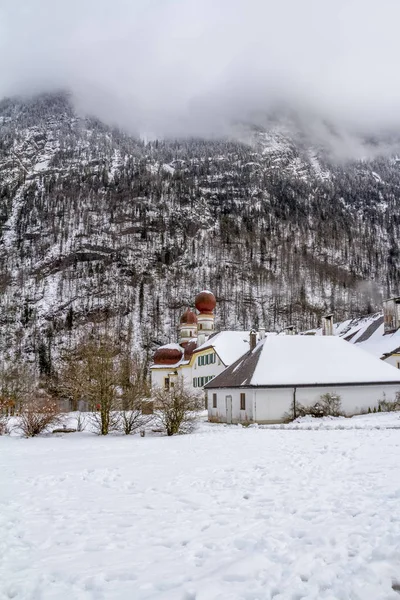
<point>97,226</point>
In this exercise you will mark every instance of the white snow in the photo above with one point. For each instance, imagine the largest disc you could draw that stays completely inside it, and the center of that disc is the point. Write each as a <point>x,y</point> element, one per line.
<point>378,345</point>
<point>227,513</point>
<point>302,359</point>
<point>172,346</point>
<point>229,345</point>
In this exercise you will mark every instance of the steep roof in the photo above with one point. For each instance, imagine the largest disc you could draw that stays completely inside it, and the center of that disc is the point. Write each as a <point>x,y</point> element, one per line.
<point>299,360</point>
<point>367,333</point>
<point>229,345</point>
<point>382,345</point>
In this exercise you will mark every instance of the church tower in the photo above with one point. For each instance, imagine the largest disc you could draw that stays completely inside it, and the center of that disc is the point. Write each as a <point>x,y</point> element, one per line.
<point>187,327</point>
<point>205,303</point>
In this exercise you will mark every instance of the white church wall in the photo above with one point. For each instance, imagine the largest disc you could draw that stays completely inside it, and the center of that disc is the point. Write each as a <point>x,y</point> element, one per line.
<point>158,376</point>
<point>209,370</point>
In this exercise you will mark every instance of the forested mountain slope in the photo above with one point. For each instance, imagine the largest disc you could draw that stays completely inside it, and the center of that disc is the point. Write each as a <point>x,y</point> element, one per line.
<point>96,226</point>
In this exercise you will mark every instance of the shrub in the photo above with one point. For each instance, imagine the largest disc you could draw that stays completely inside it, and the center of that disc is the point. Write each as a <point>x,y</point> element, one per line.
<point>387,406</point>
<point>103,420</point>
<point>329,405</point>
<point>37,415</point>
<point>81,421</point>
<point>135,411</point>
<point>134,419</point>
<point>177,408</point>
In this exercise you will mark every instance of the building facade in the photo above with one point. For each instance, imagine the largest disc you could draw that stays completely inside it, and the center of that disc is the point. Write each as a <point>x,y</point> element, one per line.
<point>265,385</point>
<point>200,354</point>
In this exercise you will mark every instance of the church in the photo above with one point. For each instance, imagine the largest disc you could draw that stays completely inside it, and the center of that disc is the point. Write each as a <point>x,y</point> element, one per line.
<point>200,354</point>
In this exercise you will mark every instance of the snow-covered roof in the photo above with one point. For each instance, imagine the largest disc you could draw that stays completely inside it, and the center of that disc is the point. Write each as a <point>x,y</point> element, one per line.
<point>229,345</point>
<point>367,333</point>
<point>171,347</point>
<point>306,360</point>
<point>379,345</point>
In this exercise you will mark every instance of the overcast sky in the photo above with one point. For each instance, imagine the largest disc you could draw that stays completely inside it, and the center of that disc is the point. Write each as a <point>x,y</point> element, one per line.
<point>192,66</point>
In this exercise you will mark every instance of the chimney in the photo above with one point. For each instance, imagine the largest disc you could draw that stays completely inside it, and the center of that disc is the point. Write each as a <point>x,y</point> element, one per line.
<point>253,339</point>
<point>391,314</point>
<point>327,325</point>
<point>201,338</point>
<point>262,333</point>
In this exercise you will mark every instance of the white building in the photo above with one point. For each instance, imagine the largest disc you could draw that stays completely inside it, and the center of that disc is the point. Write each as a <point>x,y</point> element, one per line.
<point>200,354</point>
<point>282,371</point>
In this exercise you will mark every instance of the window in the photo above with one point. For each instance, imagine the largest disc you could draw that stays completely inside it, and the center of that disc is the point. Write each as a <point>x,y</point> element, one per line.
<point>200,326</point>
<point>166,383</point>
<point>214,400</point>
<point>194,382</point>
<point>242,401</point>
<point>398,364</point>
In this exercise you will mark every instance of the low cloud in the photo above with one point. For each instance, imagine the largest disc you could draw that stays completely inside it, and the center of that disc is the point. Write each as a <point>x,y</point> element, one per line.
<point>195,67</point>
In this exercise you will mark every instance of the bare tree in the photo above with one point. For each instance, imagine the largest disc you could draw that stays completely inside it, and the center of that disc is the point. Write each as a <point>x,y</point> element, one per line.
<point>37,415</point>
<point>4,416</point>
<point>91,373</point>
<point>102,373</point>
<point>73,376</point>
<point>177,408</point>
<point>134,389</point>
<point>17,384</point>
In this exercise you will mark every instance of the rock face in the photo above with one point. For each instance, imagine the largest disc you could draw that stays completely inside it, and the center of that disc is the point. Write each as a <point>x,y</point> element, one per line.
<point>99,227</point>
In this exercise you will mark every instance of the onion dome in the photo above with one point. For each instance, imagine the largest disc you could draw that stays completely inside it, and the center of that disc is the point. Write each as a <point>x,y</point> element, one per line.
<point>205,302</point>
<point>188,317</point>
<point>168,355</point>
<point>190,347</point>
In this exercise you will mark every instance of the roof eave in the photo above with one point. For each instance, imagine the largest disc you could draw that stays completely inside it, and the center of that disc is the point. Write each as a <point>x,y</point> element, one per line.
<point>209,385</point>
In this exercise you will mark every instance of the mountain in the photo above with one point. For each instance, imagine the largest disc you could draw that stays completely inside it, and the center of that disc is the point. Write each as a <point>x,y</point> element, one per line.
<point>99,227</point>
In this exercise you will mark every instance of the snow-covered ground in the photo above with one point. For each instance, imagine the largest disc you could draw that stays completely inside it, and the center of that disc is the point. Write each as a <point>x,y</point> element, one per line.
<point>225,513</point>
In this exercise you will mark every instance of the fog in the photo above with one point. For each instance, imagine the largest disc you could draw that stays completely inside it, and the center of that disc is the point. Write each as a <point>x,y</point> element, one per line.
<point>196,67</point>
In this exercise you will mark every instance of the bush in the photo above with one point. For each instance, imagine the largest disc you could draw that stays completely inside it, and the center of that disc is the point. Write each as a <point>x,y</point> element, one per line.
<point>37,415</point>
<point>134,419</point>
<point>81,420</point>
<point>387,406</point>
<point>177,408</point>
<point>135,413</point>
<point>103,420</point>
<point>329,405</point>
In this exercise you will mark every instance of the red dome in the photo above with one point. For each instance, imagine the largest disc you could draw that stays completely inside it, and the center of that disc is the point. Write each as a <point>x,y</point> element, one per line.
<point>190,347</point>
<point>188,317</point>
<point>168,355</point>
<point>205,302</point>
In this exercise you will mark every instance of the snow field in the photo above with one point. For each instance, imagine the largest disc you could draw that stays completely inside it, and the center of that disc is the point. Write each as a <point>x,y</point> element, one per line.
<point>227,513</point>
